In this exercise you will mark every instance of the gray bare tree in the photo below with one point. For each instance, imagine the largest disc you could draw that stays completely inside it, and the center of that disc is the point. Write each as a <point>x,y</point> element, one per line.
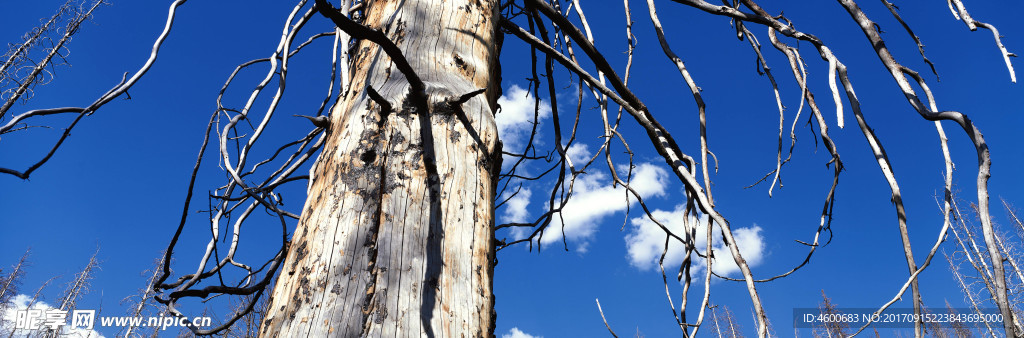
<point>396,236</point>
<point>75,290</point>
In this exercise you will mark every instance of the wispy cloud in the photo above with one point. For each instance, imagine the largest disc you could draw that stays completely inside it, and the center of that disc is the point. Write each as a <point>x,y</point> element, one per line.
<point>516,333</point>
<point>646,242</point>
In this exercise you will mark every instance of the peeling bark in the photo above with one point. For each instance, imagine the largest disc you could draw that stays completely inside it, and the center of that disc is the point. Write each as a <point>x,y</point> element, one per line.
<point>396,236</point>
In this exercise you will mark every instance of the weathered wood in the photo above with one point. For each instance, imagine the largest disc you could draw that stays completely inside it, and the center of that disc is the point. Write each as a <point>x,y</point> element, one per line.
<point>386,247</point>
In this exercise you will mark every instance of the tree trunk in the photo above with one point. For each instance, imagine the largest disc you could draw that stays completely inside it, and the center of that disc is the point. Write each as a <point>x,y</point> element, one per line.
<point>396,236</point>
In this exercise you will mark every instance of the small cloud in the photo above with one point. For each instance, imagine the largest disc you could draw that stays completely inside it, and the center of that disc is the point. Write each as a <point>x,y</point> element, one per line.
<point>594,198</point>
<point>516,333</point>
<point>515,209</point>
<point>578,153</point>
<point>646,242</point>
<point>515,120</point>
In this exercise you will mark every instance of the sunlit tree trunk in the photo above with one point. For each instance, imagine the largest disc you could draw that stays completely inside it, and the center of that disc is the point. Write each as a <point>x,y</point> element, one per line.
<point>396,236</point>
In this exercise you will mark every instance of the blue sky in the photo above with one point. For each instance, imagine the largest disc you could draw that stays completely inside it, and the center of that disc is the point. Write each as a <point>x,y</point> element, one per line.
<point>118,182</point>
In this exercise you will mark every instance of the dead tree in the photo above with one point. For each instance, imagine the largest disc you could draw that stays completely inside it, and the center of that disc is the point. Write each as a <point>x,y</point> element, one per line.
<point>725,324</point>
<point>10,123</point>
<point>20,73</point>
<point>249,325</point>
<point>394,164</point>
<point>958,328</point>
<point>76,288</point>
<point>140,303</point>
<point>977,280</point>
<point>10,281</point>
<point>32,301</point>
<point>397,233</point>
<point>830,328</point>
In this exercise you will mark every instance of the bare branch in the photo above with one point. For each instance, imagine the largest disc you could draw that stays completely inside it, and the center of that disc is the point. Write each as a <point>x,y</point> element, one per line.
<point>121,88</point>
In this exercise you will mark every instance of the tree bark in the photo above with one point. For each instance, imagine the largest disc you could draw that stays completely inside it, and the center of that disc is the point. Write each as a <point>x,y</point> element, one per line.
<point>396,236</point>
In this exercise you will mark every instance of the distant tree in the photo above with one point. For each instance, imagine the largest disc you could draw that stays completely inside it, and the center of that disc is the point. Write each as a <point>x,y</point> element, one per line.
<point>978,282</point>
<point>142,303</point>
<point>830,328</point>
<point>960,330</point>
<point>76,288</point>
<point>11,330</point>
<point>725,325</point>
<point>32,63</point>
<point>249,325</point>
<point>935,328</point>
<point>10,282</point>
<point>9,285</point>
<point>22,69</point>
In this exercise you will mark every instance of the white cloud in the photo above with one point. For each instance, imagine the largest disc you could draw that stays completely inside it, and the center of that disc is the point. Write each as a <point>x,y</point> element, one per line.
<point>646,242</point>
<point>515,209</point>
<point>516,333</point>
<point>578,153</point>
<point>515,120</point>
<point>21,302</point>
<point>594,198</point>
